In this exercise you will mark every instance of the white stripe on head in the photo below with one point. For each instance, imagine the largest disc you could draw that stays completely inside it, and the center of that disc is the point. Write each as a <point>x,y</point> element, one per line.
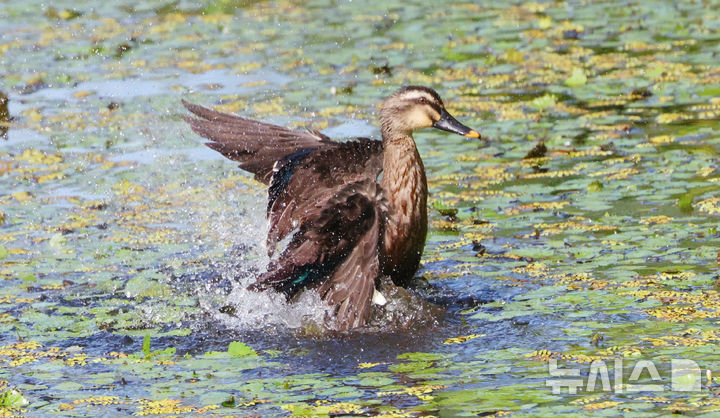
<point>416,92</point>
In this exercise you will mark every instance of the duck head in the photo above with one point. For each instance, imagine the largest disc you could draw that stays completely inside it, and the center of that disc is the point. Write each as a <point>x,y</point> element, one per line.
<point>417,107</point>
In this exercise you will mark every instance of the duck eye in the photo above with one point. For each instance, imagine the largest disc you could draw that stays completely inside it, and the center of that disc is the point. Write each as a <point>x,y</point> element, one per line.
<point>422,100</point>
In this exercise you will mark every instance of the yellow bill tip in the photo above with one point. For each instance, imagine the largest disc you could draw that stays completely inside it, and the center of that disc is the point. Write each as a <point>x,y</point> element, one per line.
<point>473,134</point>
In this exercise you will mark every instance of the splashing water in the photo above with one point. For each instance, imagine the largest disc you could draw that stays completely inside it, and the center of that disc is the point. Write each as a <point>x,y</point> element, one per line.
<point>228,300</point>
<point>269,309</point>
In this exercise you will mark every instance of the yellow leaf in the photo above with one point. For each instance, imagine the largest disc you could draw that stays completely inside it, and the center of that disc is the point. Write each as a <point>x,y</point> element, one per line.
<point>82,94</point>
<point>544,22</point>
<point>514,56</point>
<point>662,139</point>
<point>52,176</point>
<point>600,405</point>
<point>462,339</point>
<point>128,189</point>
<point>21,197</point>
<point>34,156</point>
<point>368,365</point>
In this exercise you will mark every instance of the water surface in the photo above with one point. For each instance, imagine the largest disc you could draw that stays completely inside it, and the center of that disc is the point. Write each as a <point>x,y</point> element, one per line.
<point>125,244</point>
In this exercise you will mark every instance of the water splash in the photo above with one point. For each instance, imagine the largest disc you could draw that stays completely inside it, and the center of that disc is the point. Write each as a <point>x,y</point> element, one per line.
<point>270,310</point>
<point>226,298</point>
<point>235,231</point>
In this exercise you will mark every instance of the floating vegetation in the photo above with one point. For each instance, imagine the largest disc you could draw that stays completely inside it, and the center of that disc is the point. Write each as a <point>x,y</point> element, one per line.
<point>583,233</point>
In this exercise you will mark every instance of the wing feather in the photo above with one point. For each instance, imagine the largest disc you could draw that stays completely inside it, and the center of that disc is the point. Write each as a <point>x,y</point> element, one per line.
<point>256,145</point>
<point>326,191</point>
<point>336,252</point>
<point>351,286</point>
<point>315,178</point>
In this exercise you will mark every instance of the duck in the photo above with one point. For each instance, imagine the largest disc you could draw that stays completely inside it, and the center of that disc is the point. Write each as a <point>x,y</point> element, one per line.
<point>350,213</point>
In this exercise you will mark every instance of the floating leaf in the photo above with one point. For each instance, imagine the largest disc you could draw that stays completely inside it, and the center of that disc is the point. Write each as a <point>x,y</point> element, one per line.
<point>229,403</point>
<point>12,399</point>
<point>544,22</point>
<point>58,241</point>
<point>544,102</point>
<point>595,186</point>
<point>578,78</point>
<point>146,346</point>
<point>239,349</point>
<point>462,339</point>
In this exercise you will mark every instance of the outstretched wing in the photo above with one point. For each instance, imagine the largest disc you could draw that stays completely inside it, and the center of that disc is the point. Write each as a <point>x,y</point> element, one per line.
<point>256,145</point>
<point>335,251</point>
<point>301,168</point>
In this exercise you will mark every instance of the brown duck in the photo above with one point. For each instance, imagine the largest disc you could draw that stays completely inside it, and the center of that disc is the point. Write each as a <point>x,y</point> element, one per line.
<point>356,210</point>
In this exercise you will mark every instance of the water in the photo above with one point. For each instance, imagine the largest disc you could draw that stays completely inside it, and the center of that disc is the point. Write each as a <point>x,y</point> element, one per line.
<point>126,246</point>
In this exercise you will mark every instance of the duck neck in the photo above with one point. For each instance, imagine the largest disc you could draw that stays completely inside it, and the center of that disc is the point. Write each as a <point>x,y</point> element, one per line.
<point>403,177</point>
<point>405,187</point>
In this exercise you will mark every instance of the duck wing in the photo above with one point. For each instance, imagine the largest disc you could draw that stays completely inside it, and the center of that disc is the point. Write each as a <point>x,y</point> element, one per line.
<point>306,179</point>
<point>335,251</point>
<point>301,167</point>
<point>256,145</point>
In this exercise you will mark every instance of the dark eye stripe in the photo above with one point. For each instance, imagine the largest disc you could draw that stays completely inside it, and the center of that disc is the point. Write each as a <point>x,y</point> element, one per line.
<point>436,107</point>
<point>423,100</point>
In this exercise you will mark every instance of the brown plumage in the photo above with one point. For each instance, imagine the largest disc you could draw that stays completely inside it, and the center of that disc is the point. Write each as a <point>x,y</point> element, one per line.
<point>347,227</point>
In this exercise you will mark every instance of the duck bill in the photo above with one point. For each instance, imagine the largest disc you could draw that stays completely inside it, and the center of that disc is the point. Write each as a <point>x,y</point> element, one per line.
<point>450,124</point>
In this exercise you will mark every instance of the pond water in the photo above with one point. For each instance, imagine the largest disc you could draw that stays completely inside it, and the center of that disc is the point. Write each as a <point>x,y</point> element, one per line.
<point>125,245</point>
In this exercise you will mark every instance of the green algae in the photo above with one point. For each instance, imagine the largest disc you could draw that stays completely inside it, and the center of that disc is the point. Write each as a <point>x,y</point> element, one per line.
<point>117,228</point>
